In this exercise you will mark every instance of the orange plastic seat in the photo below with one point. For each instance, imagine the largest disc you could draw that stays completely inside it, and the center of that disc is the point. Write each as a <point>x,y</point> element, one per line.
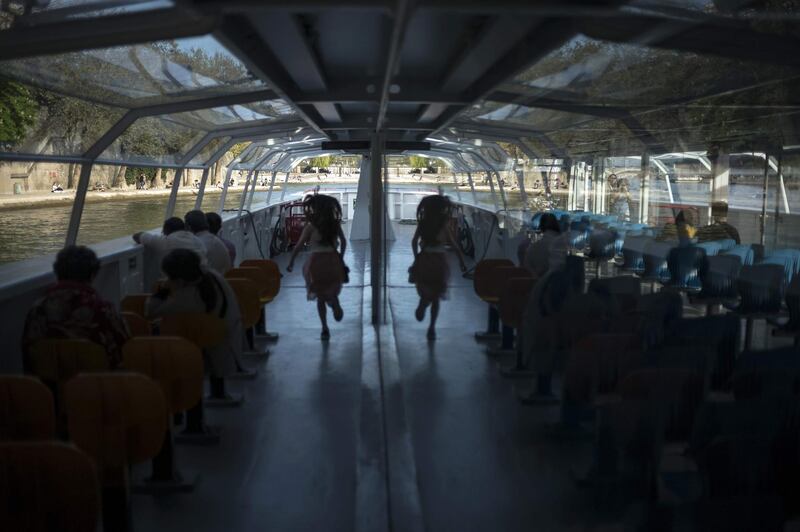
<point>174,363</point>
<point>135,303</point>
<point>272,286</point>
<point>47,486</point>
<point>485,282</point>
<point>137,325</point>
<point>119,419</point>
<point>56,360</point>
<point>259,278</point>
<point>514,296</point>
<point>247,296</point>
<point>27,410</point>
<point>203,330</point>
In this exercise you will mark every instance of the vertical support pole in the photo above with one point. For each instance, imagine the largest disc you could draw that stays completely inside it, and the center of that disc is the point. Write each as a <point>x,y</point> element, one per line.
<point>644,189</point>
<point>765,190</point>
<point>502,190</point>
<point>377,218</point>
<point>523,194</point>
<point>587,175</point>
<point>567,166</point>
<point>472,188</point>
<point>253,190</point>
<point>778,169</point>
<point>225,188</point>
<point>491,187</point>
<point>271,185</point>
<point>455,184</point>
<point>720,179</point>
<point>243,199</point>
<point>173,194</point>
<point>283,188</point>
<point>198,202</point>
<point>78,204</point>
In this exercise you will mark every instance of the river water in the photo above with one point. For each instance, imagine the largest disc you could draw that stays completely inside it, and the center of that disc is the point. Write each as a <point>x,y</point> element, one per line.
<point>31,232</point>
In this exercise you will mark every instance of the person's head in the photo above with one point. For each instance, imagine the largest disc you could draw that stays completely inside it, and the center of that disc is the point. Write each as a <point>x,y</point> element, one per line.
<point>196,221</point>
<point>549,222</point>
<point>214,222</point>
<point>433,212</point>
<point>324,213</point>
<point>182,266</point>
<point>719,211</point>
<point>172,224</point>
<point>76,263</point>
<point>680,218</point>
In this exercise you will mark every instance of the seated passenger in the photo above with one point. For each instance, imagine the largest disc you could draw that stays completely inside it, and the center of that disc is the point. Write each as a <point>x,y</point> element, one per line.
<point>324,270</point>
<point>214,226</point>
<point>191,288</point>
<point>218,258</point>
<point>682,231</point>
<point>72,308</point>
<point>720,229</point>
<point>549,252</point>
<point>173,236</point>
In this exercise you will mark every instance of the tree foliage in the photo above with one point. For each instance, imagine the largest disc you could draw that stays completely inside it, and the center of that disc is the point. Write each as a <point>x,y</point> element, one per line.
<point>18,110</point>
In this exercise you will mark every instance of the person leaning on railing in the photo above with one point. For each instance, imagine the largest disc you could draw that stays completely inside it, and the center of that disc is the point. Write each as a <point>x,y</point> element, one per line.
<point>72,308</point>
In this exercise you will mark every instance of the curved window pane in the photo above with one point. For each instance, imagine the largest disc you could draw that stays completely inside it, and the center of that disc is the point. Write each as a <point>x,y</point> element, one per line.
<point>40,122</point>
<point>139,75</point>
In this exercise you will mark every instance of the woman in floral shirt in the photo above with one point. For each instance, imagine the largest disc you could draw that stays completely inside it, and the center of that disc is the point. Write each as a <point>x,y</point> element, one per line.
<point>72,308</point>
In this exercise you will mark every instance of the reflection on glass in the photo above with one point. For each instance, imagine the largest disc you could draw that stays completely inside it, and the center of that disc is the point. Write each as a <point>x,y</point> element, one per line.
<point>42,122</point>
<point>139,75</point>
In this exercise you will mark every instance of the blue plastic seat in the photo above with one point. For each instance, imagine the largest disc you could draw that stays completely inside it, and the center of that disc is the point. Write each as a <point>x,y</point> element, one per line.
<point>719,278</point>
<point>761,287</point>
<point>655,262</point>
<point>687,265</point>
<point>712,247</point>
<point>726,244</point>
<point>633,252</point>
<point>744,252</point>
<point>785,261</point>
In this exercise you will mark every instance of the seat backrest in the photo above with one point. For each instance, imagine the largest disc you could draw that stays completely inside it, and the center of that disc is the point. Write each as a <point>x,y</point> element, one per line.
<point>47,486</point>
<point>55,360</point>
<point>258,276</point>
<point>686,266</point>
<point>602,243</point>
<point>515,297</point>
<point>679,392</point>
<point>655,260</point>
<point>27,410</point>
<point>270,267</point>
<point>203,330</point>
<point>719,277</point>
<point>739,465</point>
<point>173,362</point>
<point>137,325</point>
<point>761,287</point>
<point>247,297</point>
<point>484,280</point>
<point>626,289</point>
<point>135,303</point>
<point>119,419</point>
<point>744,252</point>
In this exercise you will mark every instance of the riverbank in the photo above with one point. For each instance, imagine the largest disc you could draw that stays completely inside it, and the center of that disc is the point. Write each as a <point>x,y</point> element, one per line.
<point>46,199</point>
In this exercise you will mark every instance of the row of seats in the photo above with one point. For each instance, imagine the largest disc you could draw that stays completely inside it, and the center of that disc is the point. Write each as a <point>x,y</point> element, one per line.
<point>676,412</point>
<point>73,414</point>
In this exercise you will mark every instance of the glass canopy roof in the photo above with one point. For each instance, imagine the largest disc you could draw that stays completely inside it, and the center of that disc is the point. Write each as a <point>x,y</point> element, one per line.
<point>139,75</point>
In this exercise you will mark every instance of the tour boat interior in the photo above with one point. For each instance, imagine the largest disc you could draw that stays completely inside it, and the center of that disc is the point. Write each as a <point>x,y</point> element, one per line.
<point>646,379</point>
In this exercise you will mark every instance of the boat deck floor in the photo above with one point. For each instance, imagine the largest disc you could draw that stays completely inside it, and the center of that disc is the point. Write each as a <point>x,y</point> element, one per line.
<point>377,429</point>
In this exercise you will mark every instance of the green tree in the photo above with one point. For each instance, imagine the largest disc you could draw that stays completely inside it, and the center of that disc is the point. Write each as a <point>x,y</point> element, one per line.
<point>18,110</point>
